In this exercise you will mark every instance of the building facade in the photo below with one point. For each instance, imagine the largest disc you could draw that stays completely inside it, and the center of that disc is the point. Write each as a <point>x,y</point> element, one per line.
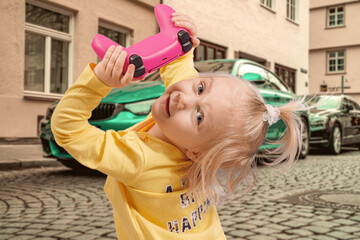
<point>47,44</point>
<point>334,51</point>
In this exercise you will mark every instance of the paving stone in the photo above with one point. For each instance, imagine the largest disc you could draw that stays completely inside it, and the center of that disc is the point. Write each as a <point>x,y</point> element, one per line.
<point>304,214</point>
<point>326,224</point>
<point>322,237</point>
<point>318,229</point>
<point>323,217</point>
<point>277,219</point>
<point>87,236</point>
<point>283,236</point>
<point>300,232</point>
<point>277,226</point>
<point>339,235</point>
<point>348,229</point>
<point>8,230</point>
<point>48,233</point>
<point>29,231</point>
<point>266,230</point>
<point>22,237</point>
<point>257,222</point>
<point>355,218</point>
<point>228,223</point>
<point>240,233</point>
<point>261,237</point>
<point>68,234</point>
<point>245,226</point>
<point>344,222</point>
<point>294,223</point>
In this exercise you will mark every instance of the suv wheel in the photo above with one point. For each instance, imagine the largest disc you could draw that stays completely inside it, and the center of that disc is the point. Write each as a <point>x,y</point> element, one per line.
<point>335,140</point>
<point>304,141</point>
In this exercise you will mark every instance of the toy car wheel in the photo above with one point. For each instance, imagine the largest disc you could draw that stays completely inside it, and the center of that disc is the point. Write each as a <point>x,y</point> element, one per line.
<point>305,141</point>
<point>335,140</point>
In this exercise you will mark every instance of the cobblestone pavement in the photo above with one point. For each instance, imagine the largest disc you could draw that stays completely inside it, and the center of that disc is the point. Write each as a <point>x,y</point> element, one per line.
<point>318,199</point>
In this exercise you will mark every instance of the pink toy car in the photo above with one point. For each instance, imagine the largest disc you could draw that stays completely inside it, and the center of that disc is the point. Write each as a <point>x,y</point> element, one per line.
<point>155,51</point>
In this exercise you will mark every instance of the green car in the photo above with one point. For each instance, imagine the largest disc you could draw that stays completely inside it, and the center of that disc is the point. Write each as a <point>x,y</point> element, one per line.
<point>126,106</point>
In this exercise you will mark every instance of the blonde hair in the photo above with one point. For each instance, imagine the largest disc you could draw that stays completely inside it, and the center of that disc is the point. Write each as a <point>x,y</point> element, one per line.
<point>236,149</point>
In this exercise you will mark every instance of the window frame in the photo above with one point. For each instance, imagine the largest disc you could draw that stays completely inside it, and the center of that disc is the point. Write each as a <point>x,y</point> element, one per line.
<point>117,28</point>
<point>336,59</point>
<point>206,45</point>
<point>328,14</point>
<point>295,12</point>
<point>268,4</point>
<point>50,34</point>
<point>278,68</point>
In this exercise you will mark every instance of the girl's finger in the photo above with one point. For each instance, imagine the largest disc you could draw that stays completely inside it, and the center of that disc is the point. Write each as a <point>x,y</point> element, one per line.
<point>182,18</point>
<point>128,76</point>
<point>108,55</point>
<point>188,26</point>
<point>195,41</point>
<point>113,58</point>
<point>119,65</point>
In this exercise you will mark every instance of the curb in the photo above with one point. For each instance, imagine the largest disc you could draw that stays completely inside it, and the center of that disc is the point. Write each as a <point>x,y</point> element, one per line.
<point>7,165</point>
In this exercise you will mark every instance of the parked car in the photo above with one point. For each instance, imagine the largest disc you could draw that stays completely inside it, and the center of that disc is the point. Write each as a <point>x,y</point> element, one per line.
<point>120,109</point>
<point>126,106</point>
<point>335,122</point>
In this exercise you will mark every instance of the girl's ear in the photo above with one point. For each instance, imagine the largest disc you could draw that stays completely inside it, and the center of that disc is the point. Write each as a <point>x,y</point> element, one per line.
<point>194,156</point>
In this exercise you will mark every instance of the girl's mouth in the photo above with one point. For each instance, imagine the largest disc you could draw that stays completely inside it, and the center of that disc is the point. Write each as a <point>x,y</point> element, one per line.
<point>167,104</point>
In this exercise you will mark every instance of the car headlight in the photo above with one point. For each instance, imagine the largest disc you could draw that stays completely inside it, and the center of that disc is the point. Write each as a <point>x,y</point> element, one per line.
<point>140,108</point>
<point>319,122</point>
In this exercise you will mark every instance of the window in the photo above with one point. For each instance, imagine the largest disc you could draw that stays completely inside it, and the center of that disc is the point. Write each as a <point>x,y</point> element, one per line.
<point>209,51</point>
<point>48,50</point>
<point>268,3</point>
<point>276,83</point>
<point>291,10</point>
<point>115,33</point>
<point>336,16</point>
<point>286,74</point>
<point>336,62</point>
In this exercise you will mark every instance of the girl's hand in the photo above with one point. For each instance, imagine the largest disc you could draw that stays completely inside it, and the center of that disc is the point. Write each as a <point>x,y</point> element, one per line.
<point>110,69</point>
<point>184,21</point>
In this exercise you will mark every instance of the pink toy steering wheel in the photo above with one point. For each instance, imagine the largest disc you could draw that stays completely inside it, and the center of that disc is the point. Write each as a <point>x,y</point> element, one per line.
<point>155,51</point>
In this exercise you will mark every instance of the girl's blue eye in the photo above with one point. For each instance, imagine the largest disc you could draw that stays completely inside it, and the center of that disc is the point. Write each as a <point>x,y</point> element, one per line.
<point>200,88</point>
<point>199,117</point>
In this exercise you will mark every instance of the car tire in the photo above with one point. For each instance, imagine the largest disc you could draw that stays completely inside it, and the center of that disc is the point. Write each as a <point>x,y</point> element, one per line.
<point>304,141</point>
<point>335,140</point>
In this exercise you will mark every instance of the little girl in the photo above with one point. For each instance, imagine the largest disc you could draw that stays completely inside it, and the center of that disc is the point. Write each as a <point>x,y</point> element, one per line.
<point>162,172</point>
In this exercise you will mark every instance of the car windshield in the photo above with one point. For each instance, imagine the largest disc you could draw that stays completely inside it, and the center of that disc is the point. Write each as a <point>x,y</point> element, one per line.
<point>220,67</point>
<point>327,102</point>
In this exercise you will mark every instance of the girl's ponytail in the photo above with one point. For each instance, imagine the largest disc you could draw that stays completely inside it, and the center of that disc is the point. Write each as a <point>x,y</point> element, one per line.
<point>289,144</point>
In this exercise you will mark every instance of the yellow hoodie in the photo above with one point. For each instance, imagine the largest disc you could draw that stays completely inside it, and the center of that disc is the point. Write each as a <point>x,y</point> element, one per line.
<point>145,177</point>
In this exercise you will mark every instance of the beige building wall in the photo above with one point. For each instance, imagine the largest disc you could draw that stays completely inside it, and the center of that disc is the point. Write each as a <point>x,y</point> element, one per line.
<point>324,39</point>
<point>19,113</point>
<point>240,26</point>
<point>251,28</point>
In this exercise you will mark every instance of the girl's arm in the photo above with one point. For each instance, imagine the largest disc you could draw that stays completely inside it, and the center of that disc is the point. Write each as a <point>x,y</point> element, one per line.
<point>183,67</point>
<point>114,153</point>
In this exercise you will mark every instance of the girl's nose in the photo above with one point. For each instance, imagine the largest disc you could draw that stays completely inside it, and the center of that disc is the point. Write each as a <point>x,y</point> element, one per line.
<point>180,102</point>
